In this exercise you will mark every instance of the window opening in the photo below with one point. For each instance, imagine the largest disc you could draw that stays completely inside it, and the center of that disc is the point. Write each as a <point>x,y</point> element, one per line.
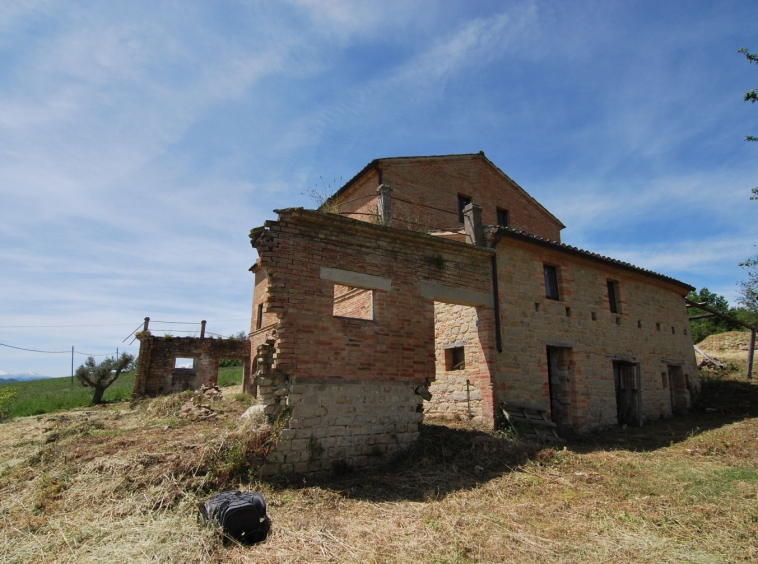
<point>502,218</point>
<point>657,326</point>
<point>551,282</point>
<point>185,363</point>
<point>568,312</point>
<point>594,316</point>
<point>463,201</point>
<point>455,358</point>
<point>355,303</point>
<point>639,324</point>
<point>259,318</point>
<point>664,380</point>
<point>613,296</point>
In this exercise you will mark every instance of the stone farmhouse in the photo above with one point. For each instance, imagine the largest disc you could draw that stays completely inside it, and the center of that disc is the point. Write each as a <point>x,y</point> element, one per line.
<point>440,275</point>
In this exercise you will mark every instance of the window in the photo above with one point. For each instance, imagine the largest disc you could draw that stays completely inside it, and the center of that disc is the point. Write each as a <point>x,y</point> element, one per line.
<point>259,319</point>
<point>463,201</point>
<point>613,296</point>
<point>502,218</point>
<point>185,363</point>
<point>357,303</point>
<point>455,358</point>
<point>551,282</point>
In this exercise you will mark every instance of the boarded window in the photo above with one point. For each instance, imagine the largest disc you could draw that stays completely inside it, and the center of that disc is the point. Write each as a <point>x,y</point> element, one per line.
<point>502,218</point>
<point>614,296</point>
<point>463,201</point>
<point>551,282</point>
<point>357,303</point>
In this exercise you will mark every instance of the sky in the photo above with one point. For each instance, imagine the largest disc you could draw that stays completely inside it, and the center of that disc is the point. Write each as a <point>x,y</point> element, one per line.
<point>141,141</point>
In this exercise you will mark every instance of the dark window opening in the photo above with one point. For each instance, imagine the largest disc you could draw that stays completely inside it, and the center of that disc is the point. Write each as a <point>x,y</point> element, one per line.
<point>551,282</point>
<point>657,326</point>
<point>455,358</point>
<point>259,319</point>
<point>502,218</point>
<point>594,316</point>
<point>463,201</point>
<point>613,296</point>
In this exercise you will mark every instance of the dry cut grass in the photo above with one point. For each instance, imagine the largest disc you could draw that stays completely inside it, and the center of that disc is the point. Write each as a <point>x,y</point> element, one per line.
<point>122,483</point>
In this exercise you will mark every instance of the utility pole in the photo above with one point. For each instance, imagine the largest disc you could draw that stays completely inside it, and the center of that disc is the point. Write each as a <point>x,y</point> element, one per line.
<point>72,365</point>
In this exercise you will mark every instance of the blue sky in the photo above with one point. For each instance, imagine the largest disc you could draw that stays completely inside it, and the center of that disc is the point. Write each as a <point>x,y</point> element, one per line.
<point>141,141</point>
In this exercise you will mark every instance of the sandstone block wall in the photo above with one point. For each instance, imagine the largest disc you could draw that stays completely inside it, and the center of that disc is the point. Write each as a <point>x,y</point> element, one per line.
<point>156,371</point>
<point>652,330</point>
<point>342,422</point>
<point>455,393</point>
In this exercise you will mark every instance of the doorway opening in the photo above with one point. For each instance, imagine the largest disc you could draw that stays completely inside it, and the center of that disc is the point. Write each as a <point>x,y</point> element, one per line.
<point>559,366</point>
<point>628,393</point>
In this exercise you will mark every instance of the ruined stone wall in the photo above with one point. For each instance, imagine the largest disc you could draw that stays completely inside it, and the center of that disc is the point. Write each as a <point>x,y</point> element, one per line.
<point>156,371</point>
<point>455,393</point>
<point>437,183</point>
<point>652,329</point>
<point>347,385</point>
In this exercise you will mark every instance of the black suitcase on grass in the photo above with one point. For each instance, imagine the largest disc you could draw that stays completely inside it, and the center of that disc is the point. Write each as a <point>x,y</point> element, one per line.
<point>242,515</point>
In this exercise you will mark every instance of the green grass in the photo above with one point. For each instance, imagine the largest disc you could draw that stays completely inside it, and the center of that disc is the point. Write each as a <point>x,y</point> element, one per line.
<point>44,396</point>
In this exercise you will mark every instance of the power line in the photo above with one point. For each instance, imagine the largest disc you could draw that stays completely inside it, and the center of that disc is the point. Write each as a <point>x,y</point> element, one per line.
<point>49,326</point>
<point>34,350</point>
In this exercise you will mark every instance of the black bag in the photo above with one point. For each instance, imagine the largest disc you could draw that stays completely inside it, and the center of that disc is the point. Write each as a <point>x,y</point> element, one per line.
<point>241,514</point>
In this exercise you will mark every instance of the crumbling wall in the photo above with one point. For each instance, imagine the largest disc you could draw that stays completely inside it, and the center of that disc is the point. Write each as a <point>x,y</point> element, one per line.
<point>345,387</point>
<point>156,370</point>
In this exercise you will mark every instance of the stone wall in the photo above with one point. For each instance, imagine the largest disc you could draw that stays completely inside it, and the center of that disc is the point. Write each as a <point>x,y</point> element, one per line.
<point>156,371</point>
<point>455,393</point>
<point>651,330</point>
<point>334,423</point>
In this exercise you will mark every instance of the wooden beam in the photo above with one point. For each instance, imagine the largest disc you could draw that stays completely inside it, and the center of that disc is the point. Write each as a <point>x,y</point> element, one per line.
<point>708,358</point>
<point>750,353</point>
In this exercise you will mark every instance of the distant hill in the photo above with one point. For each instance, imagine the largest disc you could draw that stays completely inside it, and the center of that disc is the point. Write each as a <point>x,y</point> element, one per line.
<point>7,378</point>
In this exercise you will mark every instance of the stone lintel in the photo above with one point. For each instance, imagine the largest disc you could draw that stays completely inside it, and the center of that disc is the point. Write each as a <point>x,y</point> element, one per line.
<point>355,279</point>
<point>453,295</point>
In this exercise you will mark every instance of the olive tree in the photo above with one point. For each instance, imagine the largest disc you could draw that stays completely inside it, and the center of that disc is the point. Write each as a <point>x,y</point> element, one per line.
<point>102,376</point>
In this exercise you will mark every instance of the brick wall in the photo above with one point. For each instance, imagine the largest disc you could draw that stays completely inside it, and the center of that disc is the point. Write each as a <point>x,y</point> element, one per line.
<point>347,385</point>
<point>437,182</point>
<point>156,371</point>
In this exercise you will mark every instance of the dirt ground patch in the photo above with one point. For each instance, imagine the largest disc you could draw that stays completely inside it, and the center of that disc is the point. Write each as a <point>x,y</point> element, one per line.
<point>122,483</point>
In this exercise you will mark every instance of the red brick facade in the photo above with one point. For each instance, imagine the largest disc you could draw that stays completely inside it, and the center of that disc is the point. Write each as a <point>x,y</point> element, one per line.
<point>425,194</point>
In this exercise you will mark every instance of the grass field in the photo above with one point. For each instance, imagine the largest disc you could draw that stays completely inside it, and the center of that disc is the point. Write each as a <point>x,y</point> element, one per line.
<point>46,396</point>
<point>121,483</point>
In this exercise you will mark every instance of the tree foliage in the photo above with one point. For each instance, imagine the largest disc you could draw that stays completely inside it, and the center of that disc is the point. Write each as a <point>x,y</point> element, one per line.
<point>102,376</point>
<point>701,328</point>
